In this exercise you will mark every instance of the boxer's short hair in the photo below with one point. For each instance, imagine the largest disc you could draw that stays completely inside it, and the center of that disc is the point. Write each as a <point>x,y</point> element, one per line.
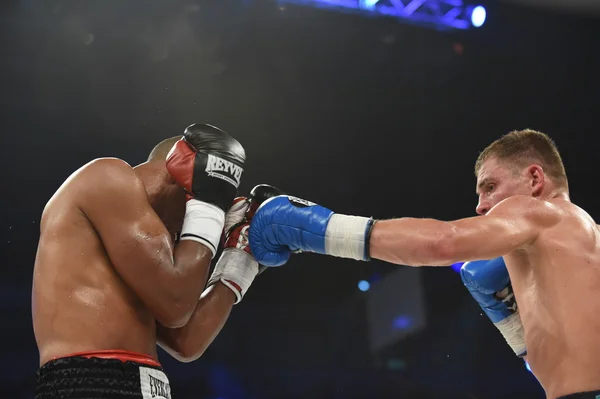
<point>520,148</point>
<point>161,150</point>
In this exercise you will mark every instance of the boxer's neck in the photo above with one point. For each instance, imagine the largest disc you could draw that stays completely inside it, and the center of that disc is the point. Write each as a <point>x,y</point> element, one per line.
<point>552,191</point>
<point>559,194</point>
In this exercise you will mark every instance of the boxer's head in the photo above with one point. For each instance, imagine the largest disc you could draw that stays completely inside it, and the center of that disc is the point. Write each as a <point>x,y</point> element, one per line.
<point>161,150</point>
<point>523,162</point>
<point>167,199</point>
<point>155,175</point>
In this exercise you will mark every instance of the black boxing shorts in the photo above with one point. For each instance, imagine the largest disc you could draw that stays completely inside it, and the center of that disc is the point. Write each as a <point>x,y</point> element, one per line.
<point>103,374</point>
<point>583,395</point>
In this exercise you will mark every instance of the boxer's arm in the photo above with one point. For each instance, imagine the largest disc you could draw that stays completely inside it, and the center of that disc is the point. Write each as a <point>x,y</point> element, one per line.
<point>168,281</point>
<point>188,343</point>
<point>512,224</point>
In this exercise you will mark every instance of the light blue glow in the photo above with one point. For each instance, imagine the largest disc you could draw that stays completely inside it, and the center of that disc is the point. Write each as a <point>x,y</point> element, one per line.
<point>478,16</point>
<point>364,285</point>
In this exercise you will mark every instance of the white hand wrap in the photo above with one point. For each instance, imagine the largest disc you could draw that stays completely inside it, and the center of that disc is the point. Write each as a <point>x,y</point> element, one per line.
<point>203,223</point>
<point>513,332</point>
<point>347,236</point>
<point>235,214</point>
<point>236,269</point>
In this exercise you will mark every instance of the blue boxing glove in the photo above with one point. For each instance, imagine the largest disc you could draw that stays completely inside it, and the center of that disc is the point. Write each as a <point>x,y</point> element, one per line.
<point>489,283</point>
<point>286,224</point>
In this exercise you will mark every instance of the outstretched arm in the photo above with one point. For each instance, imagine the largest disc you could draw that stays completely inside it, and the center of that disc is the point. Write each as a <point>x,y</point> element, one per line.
<point>512,224</point>
<point>286,224</point>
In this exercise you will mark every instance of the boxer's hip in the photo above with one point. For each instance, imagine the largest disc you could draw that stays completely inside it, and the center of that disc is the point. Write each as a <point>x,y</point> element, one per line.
<point>582,395</point>
<point>102,374</point>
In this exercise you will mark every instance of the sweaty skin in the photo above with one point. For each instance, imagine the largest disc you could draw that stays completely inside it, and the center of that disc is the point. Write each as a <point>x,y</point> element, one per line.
<point>556,281</point>
<point>107,275</point>
<point>552,253</point>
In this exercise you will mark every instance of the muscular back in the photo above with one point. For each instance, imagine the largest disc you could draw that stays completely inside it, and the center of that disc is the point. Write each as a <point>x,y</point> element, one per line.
<point>557,285</point>
<point>80,303</point>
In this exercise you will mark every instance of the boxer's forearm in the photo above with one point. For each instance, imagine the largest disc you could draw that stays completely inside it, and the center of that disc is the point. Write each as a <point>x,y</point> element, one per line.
<point>412,242</point>
<point>189,342</point>
<point>181,283</point>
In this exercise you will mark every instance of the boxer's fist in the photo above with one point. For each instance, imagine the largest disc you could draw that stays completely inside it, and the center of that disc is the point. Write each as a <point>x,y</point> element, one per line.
<point>208,163</point>
<point>285,224</point>
<point>237,268</point>
<point>489,284</point>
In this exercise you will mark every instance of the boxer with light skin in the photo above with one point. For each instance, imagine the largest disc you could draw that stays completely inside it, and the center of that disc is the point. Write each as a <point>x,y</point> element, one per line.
<point>550,246</point>
<point>111,281</point>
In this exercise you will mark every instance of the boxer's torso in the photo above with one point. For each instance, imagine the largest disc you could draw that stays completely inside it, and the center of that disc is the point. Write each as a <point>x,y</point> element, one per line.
<point>557,286</point>
<point>79,302</point>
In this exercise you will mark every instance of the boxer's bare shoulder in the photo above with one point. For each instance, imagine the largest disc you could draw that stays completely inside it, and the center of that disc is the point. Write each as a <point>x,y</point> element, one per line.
<point>106,195</point>
<point>575,227</point>
<point>537,213</point>
<point>109,184</point>
<point>94,177</point>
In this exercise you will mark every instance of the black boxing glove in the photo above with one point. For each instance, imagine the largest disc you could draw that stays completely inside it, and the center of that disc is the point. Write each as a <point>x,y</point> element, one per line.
<point>236,267</point>
<point>208,163</point>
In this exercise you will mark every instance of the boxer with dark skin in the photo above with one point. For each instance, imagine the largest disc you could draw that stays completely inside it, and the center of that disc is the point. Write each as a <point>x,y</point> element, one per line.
<point>110,281</point>
<point>81,298</point>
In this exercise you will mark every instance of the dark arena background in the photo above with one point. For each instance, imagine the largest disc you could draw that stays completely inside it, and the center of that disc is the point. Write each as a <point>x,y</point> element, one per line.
<point>375,108</point>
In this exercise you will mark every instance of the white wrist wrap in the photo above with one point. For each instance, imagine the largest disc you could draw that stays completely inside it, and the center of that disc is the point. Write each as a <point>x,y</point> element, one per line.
<point>345,236</point>
<point>236,269</point>
<point>512,330</point>
<point>203,223</point>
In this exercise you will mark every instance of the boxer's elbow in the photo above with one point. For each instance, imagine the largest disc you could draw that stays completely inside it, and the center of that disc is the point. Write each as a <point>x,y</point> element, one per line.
<point>184,348</point>
<point>177,344</point>
<point>172,321</point>
<point>188,355</point>
<point>445,255</point>
<point>173,314</point>
<point>443,249</point>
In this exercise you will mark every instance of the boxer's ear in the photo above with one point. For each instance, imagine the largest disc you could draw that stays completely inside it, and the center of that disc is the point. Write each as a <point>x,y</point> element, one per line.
<point>536,179</point>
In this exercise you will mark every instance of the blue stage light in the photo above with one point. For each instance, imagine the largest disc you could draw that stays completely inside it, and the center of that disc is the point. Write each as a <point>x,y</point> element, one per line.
<point>368,4</point>
<point>439,14</point>
<point>364,285</point>
<point>402,322</point>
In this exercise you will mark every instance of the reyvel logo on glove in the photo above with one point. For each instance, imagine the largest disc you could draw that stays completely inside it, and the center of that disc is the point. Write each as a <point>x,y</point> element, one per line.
<point>224,170</point>
<point>300,202</point>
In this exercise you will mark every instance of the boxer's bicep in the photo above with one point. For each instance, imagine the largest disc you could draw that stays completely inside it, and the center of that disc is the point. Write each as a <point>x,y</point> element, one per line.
<point>512,224</point>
